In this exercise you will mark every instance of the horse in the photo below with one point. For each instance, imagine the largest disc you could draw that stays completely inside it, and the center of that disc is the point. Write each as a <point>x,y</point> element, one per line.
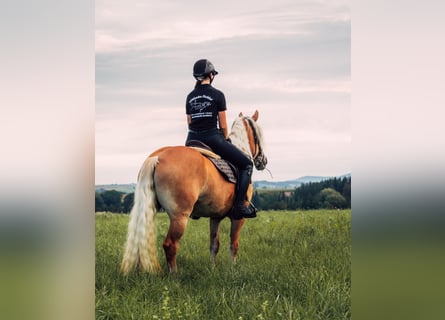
<point>185,183</point>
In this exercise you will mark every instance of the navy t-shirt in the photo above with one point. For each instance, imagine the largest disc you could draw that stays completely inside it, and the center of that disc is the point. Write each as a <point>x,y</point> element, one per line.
<point>203,105</point>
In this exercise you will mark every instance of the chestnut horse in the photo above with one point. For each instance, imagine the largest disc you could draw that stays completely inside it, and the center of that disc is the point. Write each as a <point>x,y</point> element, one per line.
<point>184,182</point>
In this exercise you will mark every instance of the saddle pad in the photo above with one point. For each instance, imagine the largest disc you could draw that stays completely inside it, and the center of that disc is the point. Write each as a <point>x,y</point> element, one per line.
<point>228,171</point>
<point>225,168</point>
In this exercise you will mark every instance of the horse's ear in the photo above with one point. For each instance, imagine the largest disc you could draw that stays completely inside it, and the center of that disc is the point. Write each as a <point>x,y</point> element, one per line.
<point>240,114</point>
<point>255,115</point>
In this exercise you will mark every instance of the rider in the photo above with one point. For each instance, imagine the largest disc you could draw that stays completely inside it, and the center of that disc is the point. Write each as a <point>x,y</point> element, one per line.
<point>206,119</point>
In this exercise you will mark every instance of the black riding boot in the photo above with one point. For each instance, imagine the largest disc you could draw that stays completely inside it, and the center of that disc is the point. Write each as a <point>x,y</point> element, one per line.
<point>241,211</point>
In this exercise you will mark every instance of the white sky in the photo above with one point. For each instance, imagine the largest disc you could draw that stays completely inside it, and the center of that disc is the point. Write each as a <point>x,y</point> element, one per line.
<point>290,59</point>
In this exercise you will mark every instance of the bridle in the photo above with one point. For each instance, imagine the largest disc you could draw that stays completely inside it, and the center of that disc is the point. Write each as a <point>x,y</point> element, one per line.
<point>259,159</point>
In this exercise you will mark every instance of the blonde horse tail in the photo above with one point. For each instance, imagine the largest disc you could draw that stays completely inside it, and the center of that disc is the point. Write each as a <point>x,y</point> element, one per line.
<point>140,248</point>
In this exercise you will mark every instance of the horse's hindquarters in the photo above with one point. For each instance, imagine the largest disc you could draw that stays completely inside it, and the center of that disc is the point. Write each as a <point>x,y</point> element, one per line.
<point>187,182</point>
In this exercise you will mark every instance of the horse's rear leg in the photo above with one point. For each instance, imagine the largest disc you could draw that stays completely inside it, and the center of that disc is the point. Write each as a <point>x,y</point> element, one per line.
<point>214,238</point>
<point>171,243</point>
<point>235,230</point>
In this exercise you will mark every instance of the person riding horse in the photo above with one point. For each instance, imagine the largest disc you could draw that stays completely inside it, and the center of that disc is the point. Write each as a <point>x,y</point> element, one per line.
<point>187,184</point>
<point>206,119</point>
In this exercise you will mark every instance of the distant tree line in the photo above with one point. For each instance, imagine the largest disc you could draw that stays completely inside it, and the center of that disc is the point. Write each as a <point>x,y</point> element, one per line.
<point>114,201</point>
<point>334,193</point>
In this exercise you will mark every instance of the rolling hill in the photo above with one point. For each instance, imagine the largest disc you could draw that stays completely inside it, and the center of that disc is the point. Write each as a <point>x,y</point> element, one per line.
<point>292,184</point>
<point>261,184</point>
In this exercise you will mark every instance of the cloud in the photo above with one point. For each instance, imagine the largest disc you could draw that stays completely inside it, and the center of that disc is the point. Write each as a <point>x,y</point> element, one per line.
<point>139,25</point>
<point>289,59</point>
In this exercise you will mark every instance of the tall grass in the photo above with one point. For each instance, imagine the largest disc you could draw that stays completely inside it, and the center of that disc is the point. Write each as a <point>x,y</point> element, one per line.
<point>291,265</point>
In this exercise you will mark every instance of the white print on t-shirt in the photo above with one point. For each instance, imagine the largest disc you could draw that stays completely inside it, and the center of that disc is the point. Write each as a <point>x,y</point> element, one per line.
<point>202,115</point>
<point>199,106</point>
<point>201,96</point>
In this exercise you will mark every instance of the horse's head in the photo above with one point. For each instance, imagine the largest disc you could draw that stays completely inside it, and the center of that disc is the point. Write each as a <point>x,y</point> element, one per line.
<point>256,143</point>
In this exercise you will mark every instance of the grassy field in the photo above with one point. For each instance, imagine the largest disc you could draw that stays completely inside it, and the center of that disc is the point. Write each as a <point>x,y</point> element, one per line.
<point>291,265</point>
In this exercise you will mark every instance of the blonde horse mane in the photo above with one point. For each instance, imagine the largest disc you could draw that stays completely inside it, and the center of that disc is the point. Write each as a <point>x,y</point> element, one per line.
<point>239,137</point>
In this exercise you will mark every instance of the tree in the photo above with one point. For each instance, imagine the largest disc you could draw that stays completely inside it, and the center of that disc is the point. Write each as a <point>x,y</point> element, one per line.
<point>346,192</point>
<point>112,200</point>
<point>128,202</point>
<point>331,199</point>
<point>99,204</point>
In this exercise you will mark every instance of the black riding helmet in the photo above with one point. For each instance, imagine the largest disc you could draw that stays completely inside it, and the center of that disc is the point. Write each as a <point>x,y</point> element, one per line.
<point>203,68</point>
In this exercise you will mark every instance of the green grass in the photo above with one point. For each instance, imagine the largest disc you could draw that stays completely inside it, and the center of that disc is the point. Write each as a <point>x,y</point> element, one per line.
<point>291,265</point>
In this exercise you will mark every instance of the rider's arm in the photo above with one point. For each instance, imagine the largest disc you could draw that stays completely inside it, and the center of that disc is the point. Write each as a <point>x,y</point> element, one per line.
<point>223,123</point>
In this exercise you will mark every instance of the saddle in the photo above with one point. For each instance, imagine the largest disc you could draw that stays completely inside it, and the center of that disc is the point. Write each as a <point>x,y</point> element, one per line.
<point>228,170</point>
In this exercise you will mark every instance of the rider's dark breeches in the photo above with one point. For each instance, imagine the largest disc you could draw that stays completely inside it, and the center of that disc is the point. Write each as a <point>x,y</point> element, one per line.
<point>228,151</point>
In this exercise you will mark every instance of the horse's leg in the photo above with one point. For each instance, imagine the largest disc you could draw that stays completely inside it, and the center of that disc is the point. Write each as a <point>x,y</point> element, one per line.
<point>214,238</point>
<point>235,230</point>
<point>171,243</point>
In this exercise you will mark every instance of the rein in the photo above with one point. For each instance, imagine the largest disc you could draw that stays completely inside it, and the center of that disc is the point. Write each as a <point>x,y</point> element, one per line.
<point>255,138</point>
<point>250,136</point>
<point>258,152</point>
